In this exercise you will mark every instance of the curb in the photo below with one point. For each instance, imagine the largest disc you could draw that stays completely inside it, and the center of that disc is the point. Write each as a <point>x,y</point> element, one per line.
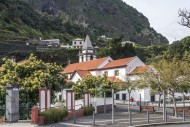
<point>158,124</point>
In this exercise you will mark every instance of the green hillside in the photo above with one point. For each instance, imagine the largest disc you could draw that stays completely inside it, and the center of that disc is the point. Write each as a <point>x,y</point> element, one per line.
<point>104,17</point>
<point>19,21</point>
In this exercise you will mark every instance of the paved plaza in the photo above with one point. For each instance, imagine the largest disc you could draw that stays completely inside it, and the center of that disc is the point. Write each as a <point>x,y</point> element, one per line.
<point>105,120</point>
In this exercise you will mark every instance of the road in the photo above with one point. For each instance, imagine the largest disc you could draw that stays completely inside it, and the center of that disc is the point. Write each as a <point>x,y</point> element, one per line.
<point>121,119</point>
<point>176,125</point>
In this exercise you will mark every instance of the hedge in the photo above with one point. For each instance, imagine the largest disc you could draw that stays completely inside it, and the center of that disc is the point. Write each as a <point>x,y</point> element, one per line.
<point>88,110</point>
<point>54,115</point>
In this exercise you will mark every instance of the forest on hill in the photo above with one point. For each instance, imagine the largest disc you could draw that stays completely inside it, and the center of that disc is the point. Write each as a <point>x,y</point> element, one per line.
<point>112,18</point>
<point>26,20</point>
<point>114,49</point>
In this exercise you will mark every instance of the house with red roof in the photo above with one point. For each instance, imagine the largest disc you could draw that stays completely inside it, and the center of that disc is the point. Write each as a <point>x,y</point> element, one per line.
<point>115,70</point>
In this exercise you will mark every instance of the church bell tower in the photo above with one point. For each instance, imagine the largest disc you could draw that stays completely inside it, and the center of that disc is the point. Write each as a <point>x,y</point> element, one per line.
<point>88,52</point>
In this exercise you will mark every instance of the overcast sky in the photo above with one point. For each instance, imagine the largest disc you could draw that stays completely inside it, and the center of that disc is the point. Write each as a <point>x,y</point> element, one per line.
<point>163,16</point>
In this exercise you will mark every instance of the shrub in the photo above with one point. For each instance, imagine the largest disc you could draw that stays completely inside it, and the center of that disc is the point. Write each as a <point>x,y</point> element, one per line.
<point>88,110</point>
<point>54,115</point>
<point>2,118</point>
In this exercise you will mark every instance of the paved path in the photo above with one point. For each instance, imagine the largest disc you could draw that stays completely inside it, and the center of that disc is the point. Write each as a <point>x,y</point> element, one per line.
<point>177,125</point>
<point>121,119</point>
<point>105,120</point>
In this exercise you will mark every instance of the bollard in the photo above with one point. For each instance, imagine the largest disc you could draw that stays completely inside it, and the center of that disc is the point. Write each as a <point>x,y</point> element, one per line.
<point>140,103</point>
<point>104,102</point>
<point>130,118</point>
<point>93,122</point>
<point>113,111</point>
<point>166,119</point>
<point>183,115</point>
<point>147,117</point>
<point>74,116</point>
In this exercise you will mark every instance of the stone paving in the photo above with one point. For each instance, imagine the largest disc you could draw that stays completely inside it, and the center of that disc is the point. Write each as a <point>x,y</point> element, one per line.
<point>121,118</point>
<point>105,120</point>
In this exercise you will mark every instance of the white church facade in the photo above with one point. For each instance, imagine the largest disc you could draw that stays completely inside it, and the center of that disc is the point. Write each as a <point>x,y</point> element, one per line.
<point>115,70</point>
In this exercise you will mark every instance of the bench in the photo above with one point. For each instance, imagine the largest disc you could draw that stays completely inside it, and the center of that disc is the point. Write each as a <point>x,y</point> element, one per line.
<point>180,110</point>
<point>149,108</point>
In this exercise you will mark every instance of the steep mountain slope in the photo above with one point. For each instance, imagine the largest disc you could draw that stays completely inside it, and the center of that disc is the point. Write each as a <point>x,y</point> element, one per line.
<point>104,17</point>
<point>19,21</point>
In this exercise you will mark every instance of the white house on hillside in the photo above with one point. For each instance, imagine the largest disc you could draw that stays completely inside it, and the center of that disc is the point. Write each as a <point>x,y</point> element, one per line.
<point>77,43</point>
<point>115,70</point>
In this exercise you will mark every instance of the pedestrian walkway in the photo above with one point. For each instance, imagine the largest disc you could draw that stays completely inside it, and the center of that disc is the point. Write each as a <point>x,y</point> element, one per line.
<point>121,118</point>
<point>105,120</point>
<point>19,124</point>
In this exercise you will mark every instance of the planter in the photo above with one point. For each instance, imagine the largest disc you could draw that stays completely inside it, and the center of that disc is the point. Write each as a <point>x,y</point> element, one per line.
<point>2,120</point>
<point>78,113</point>
<point>41,120</point>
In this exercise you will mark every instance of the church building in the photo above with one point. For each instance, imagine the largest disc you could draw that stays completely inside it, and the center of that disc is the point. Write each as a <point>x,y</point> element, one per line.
<point>115,70</point>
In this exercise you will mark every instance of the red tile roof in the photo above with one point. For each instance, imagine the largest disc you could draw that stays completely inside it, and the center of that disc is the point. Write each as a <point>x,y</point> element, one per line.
<point>89,65</point>
<point>140,70</point>
<point>114,79</point>
<point>83,73</point>
<point>118,63</point>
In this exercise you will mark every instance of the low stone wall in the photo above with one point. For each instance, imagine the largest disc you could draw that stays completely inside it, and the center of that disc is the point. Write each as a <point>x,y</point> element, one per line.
<point>100,108</point>
<point>2,120</point>
<point>36,119</point>
<point>78,113</point>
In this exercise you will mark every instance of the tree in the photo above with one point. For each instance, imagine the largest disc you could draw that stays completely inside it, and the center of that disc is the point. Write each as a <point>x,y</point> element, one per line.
<point>151,79</point>
<point>128,85</point>
<point>30,75</point>
<point>115,50</point>
<point>185,17</point>
<point>92,84</point>
<point>171,77</point>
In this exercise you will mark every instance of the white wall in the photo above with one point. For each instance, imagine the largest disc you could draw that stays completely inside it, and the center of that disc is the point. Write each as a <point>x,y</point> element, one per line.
<point>100,101</point>
<point>145,95</point>
<point>94,73</point>
<point>111,72</point>
<point>88,51</point>
<point>75,78</point>
<point>94,101</point>
<point>78,42</point>
<point>135,62</point>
